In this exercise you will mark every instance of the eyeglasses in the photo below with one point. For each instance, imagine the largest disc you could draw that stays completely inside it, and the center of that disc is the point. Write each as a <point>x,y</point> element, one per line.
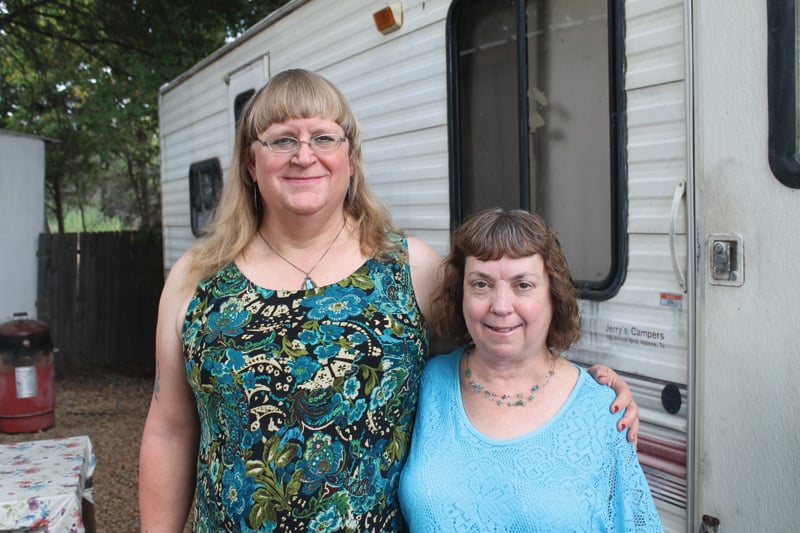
<point>324,142</point>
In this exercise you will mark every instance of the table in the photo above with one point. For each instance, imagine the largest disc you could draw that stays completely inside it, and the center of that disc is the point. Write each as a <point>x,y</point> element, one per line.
<point>46,485</point>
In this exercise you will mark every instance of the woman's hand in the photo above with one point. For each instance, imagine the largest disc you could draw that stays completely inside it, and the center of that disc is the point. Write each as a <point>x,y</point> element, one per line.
<point>624,400</point>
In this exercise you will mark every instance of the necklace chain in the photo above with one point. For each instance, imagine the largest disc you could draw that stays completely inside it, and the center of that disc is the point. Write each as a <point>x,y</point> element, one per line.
<point>308,283</point>
<point>511,400</point>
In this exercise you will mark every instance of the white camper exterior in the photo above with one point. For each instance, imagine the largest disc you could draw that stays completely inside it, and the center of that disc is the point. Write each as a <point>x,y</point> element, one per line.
<point>703,322</point>
<point>22,219</point>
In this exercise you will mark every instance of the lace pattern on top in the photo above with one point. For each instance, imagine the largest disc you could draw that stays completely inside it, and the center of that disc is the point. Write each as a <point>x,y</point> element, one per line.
<point>576,473</point>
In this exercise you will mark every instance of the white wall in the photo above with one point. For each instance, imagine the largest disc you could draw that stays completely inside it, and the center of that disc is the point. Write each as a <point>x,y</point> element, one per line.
<point>22,166</point>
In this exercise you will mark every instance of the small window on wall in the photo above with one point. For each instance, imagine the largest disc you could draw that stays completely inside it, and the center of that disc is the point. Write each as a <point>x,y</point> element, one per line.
<point>784,90</point>
<point>205,184</point>
<point>538,123</point>
<point>239,102</point>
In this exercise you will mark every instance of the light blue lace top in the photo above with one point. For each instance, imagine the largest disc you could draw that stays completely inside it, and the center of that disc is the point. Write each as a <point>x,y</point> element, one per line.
<point>576,473</point>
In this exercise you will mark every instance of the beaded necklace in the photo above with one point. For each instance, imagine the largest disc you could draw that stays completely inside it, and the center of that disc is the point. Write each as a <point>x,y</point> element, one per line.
<point>511,400</point>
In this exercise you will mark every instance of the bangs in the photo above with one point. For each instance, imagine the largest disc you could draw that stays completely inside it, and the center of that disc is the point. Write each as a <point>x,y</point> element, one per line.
<point>299,94</point>
<point>504,235</point>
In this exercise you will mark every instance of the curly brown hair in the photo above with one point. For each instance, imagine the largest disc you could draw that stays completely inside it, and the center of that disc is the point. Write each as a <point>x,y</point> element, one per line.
<point>488,236</point>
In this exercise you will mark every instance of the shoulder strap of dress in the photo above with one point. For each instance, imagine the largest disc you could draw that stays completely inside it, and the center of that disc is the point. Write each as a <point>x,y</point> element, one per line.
<point>228,271</point>
<point>400,239</point>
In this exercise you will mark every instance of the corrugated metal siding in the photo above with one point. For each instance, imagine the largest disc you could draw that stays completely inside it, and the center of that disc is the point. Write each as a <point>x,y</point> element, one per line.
<point>194,127</point>
<point>641,332</point>
<point>654,42</point>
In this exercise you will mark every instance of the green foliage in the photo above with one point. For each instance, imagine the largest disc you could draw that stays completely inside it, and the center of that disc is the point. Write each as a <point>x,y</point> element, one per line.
<point>86,74</point>
<point>90,220</point>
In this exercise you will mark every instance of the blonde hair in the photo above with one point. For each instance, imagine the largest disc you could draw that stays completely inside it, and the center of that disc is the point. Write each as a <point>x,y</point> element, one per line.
<point>291,94</point>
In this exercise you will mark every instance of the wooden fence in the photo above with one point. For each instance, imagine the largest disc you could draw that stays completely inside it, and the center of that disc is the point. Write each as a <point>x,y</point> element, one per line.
<point>98,294</point>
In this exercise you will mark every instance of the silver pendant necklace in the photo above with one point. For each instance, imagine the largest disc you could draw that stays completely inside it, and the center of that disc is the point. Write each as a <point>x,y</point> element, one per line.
<point>308,283</point>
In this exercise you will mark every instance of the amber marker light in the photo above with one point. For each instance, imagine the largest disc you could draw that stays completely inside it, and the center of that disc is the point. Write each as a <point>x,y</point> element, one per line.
<point>390,18</point>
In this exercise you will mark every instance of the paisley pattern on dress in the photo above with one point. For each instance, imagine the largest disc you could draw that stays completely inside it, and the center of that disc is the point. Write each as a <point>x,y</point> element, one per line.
<point>306,399</point>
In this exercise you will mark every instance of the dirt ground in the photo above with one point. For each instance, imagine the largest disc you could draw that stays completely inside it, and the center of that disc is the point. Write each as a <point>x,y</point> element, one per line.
<point>111,410</point>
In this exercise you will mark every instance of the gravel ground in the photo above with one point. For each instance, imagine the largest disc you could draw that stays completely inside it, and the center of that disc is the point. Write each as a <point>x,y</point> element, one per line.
<point>111,410</point>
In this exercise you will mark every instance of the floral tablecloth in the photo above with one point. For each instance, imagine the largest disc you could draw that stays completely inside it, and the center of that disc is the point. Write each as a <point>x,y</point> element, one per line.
<point>43,483</point>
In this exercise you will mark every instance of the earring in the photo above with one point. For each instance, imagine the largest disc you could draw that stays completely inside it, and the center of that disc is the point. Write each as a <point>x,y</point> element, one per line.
<point>254,183</point>
<point>348,196</point>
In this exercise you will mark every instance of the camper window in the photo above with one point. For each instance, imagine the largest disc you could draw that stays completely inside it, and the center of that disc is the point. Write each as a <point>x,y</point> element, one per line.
<point>205,184</point>
<point>784,90</point>
<point>239,102</point>
<point>537,123</point>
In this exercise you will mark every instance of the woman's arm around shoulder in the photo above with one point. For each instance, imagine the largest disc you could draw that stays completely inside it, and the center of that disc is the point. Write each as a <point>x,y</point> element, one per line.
<point>168,452</point>
<point>624,400</point>
<point>425,273</point>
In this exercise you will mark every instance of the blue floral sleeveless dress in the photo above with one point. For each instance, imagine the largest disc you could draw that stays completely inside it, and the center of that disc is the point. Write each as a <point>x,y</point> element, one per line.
<point>306,399</point>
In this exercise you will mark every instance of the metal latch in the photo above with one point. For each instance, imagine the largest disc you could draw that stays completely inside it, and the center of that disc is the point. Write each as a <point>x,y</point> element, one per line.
<point>726,260</point>
<point>710,524</point>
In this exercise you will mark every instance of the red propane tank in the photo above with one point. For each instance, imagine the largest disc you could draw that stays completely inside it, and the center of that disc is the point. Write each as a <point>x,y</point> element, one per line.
<point>27,376</point>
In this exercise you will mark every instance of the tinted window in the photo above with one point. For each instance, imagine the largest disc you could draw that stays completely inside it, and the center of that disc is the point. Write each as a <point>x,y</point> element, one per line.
<point>536,122</point>
<point>239,103</point>
<point>783,61</point>
<point>205,184</point>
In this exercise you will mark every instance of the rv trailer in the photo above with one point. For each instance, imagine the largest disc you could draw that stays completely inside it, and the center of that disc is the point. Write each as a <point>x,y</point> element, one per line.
<point>658,137</point>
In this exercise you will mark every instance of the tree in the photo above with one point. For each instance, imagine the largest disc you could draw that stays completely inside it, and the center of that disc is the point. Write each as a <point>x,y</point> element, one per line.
<point>86,74</point>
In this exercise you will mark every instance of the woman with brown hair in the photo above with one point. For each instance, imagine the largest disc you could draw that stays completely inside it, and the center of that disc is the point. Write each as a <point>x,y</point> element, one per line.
<point>509,435</point>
